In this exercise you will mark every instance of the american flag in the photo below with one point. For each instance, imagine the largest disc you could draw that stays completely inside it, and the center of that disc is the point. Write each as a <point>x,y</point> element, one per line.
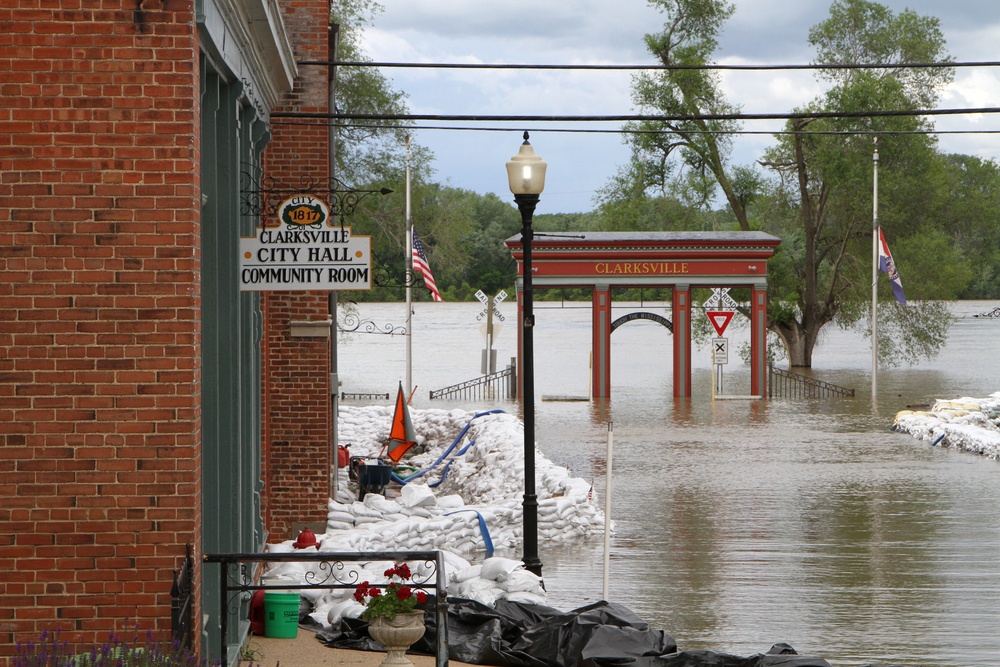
<point>421,266</point>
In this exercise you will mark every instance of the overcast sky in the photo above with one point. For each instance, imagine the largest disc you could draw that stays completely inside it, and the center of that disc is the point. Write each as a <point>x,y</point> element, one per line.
<point>564,32</point>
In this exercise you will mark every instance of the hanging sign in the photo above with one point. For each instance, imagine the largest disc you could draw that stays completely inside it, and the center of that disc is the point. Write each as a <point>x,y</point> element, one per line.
<point>304,252</point>
<point>720,319</point>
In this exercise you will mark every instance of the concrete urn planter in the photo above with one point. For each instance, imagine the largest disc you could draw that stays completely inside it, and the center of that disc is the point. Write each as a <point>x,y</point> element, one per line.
<point>397,636</point>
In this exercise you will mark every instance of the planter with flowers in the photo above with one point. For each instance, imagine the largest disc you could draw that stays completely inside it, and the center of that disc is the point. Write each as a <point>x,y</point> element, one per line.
<point>392,620</point>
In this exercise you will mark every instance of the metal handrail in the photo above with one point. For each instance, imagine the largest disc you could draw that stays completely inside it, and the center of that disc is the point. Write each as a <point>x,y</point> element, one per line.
<point>784,384</point>
<point>331,562</point>
<point>502,382</point>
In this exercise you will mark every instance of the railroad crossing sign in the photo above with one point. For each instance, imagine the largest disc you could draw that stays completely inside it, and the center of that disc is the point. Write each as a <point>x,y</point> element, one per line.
<point>720,319</point>
<point>720,299</point>
<point>489,310</point>
<point>490,323</point>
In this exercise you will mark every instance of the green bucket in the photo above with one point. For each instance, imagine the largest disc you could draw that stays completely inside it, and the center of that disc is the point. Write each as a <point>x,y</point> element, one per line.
<point>281,615</point>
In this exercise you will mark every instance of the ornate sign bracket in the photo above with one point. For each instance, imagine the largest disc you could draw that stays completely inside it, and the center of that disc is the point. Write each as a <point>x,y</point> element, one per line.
<point>262,194</point>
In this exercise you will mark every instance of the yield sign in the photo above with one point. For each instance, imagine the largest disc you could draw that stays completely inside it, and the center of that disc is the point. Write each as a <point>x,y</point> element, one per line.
<point>720,319</point>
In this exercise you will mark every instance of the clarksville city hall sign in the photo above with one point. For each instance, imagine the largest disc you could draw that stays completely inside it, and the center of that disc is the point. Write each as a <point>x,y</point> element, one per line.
<point>305,252</point>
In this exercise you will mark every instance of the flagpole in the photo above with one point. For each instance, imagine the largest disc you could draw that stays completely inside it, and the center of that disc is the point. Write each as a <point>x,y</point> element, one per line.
<point>409,279</point>
<point>875,276</point>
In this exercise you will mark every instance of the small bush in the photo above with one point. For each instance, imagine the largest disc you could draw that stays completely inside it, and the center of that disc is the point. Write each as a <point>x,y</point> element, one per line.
<point>117,651</point>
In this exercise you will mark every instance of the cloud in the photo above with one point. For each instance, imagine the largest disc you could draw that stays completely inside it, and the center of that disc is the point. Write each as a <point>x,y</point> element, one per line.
<point>565,32</point>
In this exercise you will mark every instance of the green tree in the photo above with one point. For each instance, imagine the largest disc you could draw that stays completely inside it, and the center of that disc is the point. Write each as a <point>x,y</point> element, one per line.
<point>827,166</point>
<point>972,217</point>
<point>687,158</point>
<point>818,197</point>
<point>371,150</point>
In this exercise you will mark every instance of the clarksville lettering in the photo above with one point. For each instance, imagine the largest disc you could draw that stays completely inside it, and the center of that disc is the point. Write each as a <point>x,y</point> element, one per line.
<point>305,236</point>
<point>641,268</point>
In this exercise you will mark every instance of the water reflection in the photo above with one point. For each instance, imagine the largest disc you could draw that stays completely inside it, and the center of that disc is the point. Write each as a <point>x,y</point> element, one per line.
<point>741,524</point>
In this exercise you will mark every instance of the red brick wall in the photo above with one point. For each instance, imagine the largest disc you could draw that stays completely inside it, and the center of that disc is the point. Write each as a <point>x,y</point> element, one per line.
<point>99,313</point>
<point>297,392</point>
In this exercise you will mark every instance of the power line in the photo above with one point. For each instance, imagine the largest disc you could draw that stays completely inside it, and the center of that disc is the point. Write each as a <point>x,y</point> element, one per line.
<point>457,128</point>
<point>653,118</point>
<point>761,68</point>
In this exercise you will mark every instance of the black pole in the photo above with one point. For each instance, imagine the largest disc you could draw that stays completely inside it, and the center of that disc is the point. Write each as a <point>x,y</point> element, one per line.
<point>526,204</point>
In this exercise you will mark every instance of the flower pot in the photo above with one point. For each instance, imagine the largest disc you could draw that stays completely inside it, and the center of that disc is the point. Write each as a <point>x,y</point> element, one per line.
<point>397,635</point>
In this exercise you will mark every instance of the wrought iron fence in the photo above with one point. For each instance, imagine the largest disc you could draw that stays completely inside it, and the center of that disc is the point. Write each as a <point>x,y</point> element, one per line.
<point>181,602</point>
<point>236,580</point>
<point>502,384</point>
<point>783,384</point>
<point>348,396</point>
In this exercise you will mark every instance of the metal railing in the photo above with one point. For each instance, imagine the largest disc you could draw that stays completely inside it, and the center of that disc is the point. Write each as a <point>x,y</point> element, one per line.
<point>347,396</point>
<point>502,384</point>
<point>236,582</point>
<point>182,602</point>
<point>783,384</point>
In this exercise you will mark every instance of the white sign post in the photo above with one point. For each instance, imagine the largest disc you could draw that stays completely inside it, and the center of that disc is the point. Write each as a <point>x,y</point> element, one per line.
<point>490,328</point>
<point>719,319</point>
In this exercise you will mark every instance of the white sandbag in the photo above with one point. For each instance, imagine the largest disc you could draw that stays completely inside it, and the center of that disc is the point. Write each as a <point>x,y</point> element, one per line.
<point>525,597</point>
<point>381,504</point>
<point>471,572</point>
<point>360,509</point>
<point>522,580</point>
<point>340,515</point>
<point>497,567</point>
<point>417,495</point>
<point>338,525</point>
<point>346,609</point>
<point>451,502</point>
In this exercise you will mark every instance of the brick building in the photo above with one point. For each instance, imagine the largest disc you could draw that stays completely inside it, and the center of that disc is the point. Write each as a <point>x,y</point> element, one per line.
<point>134,422</point>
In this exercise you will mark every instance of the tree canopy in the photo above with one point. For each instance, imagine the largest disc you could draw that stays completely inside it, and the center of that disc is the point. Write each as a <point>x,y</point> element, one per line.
<point>813,188</point>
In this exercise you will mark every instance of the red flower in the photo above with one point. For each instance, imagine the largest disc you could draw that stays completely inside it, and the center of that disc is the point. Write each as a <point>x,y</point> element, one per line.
<point>402,571</point>
<point>403,592</point>
<point>421,597</point>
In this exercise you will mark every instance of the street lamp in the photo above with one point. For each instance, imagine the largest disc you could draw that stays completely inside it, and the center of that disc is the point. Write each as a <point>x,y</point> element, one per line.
<point>526,176</point>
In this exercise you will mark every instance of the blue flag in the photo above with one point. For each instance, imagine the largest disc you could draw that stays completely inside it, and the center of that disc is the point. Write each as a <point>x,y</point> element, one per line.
<point>886,264</point>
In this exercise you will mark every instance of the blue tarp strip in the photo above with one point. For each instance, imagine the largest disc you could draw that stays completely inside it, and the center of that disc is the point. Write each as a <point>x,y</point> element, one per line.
<point>487,540</point>
<point>420,473</point>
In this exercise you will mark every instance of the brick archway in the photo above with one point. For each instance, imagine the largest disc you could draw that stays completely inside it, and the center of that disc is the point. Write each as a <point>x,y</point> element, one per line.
<point>680,261</point>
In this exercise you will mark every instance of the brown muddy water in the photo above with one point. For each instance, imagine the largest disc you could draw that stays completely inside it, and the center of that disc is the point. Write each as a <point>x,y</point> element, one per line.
<point>740,524</point>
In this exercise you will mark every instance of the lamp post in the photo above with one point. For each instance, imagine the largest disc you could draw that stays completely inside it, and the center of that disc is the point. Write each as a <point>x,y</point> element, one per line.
<point>526,177</point>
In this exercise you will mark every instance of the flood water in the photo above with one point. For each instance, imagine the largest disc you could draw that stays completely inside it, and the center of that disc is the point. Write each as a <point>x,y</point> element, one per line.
<point>740,523</point>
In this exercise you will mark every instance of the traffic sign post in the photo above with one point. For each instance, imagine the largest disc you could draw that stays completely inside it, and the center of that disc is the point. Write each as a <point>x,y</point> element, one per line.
<point>720,351</point>
<point>720,357</point>
<point>490,328</point>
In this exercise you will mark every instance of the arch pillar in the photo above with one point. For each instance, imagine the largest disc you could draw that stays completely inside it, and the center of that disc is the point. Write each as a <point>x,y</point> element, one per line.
<point>681,307</point>
<point>601,346</point>
<point>758,340</point>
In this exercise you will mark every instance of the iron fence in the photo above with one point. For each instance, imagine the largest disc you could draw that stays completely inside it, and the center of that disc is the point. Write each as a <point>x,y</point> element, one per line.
<point>236,581</point>
<point>783,384</point>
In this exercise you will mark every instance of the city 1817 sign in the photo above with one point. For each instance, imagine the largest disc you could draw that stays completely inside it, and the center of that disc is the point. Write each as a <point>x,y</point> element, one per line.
<point>305,252</point>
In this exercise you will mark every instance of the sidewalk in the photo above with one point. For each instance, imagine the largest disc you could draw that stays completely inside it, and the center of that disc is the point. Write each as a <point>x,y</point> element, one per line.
<point>307,651</point>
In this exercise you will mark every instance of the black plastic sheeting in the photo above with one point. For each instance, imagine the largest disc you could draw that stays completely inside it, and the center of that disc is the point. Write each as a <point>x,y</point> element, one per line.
<point>526,635</point>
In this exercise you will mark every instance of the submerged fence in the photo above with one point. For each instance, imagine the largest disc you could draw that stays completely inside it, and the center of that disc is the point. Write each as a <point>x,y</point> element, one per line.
<point>502,384</point>
<point>783,384</point>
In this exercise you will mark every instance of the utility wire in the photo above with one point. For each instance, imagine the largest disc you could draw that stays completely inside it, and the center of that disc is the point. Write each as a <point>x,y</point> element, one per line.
<point>501,66</point>
<point>457,128</point>
<point>654,118</point>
